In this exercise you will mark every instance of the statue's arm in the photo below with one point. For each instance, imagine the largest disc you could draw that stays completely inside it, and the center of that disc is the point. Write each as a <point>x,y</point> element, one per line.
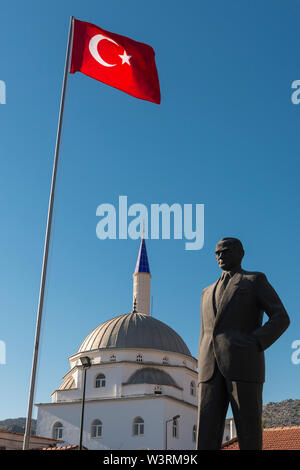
<point>270,302</point>
<point>201,316</point>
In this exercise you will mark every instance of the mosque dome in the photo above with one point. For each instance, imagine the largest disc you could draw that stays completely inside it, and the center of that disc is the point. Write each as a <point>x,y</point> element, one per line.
<point>134,330</point>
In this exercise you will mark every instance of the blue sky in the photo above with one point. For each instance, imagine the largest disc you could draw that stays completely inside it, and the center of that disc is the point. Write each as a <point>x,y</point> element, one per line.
<point>225,135</point>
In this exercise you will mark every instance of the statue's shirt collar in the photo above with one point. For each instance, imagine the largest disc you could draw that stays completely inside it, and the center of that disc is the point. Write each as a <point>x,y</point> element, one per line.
<point>230,273</point>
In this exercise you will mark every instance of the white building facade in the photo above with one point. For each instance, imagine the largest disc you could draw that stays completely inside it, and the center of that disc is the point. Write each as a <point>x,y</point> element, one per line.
<point>142,375</point>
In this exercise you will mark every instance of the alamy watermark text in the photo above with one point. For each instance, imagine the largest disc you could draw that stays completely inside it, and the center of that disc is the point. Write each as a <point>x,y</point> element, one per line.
<point>2,92</point>
<point>296,354</point>
<point>2,353</point>
<point>152,225</point>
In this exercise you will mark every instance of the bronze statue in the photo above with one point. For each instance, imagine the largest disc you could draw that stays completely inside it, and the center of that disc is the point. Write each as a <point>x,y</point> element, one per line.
<point>231,366</point>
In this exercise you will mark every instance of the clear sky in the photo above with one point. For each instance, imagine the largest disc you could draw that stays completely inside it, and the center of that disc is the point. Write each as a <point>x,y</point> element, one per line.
<point>225,135</point>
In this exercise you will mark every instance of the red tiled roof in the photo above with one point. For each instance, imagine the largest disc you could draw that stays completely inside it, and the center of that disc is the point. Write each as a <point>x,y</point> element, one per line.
<point>75,447</point>
<point>32,436</point>
<point>282,438</point>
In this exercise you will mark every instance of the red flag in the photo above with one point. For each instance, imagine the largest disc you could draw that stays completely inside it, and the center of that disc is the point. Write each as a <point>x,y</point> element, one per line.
<point>115,60</point>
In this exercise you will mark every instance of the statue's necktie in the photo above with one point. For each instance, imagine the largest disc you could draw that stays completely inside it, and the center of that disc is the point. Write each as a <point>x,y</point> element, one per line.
<point>221,288</point>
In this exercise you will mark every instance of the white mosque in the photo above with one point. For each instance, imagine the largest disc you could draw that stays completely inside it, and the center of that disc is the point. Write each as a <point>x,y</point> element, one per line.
<point>141,386</point>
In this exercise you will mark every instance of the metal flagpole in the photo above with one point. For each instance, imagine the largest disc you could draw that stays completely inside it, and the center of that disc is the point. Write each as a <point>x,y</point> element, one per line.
<point>46,244</point>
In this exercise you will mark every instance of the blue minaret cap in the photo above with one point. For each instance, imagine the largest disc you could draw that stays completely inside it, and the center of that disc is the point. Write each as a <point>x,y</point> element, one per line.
<point>142,264</point>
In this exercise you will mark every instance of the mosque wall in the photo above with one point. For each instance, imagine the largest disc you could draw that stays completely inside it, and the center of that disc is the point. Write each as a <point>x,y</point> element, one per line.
<point>117,423</point>
<point>116,375</point>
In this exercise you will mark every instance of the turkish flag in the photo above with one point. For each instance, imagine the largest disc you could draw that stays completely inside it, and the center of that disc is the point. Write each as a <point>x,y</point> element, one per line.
<point>115,60</point>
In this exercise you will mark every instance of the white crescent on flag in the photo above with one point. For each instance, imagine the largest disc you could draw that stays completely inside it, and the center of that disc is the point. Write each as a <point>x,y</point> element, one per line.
<point>93,47</point>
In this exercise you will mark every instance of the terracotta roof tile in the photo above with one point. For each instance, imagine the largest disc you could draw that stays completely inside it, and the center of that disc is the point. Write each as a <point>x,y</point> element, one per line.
<point>281,438</point>
<point>74,447</point>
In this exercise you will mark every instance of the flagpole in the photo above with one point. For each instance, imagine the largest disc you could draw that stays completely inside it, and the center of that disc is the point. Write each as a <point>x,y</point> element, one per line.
<point>46,243</point>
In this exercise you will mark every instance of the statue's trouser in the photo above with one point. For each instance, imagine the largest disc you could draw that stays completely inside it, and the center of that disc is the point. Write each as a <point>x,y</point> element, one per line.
<point>246,403</point>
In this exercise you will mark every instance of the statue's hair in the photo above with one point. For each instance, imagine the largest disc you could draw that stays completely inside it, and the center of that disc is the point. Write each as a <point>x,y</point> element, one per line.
<point>233,241</point>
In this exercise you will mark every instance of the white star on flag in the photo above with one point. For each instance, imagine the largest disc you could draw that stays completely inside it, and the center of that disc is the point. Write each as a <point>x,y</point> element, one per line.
<point>125,58</point>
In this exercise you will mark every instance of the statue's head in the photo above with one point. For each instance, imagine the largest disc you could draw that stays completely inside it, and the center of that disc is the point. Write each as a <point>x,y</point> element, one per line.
<point>229,253</point>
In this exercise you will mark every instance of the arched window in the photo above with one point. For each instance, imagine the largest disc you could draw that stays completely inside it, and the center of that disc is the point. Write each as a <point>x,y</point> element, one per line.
<point>139,358</point>
<point>193,388</point>
<point>57,431</point>
<point>96,428</point>
<point>175,428</point>
<point>100,381</point>
<point>138,426</point>
<point>194,432</point>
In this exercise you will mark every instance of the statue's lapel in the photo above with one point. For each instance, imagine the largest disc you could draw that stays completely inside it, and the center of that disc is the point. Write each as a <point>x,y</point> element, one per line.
<point>229,292</point>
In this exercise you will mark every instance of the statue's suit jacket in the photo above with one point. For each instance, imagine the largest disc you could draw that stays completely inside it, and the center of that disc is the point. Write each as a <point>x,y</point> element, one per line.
<point>232,336</point>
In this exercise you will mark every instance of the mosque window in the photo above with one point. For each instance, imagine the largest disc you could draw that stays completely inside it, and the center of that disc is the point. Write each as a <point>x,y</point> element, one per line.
<point>165,360</point>
<point>194,432</point>
<point>193,388</point>
<point>139,358</point>
<point>112,358</point>
<point>96,428</point>
<point>175,429</point>
<point>100,381</point>
<point>57,431</point>
<point>138,426</point>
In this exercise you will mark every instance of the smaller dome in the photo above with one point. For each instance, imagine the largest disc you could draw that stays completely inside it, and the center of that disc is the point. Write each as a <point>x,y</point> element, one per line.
<point>150,375</point>
<point>68,383</point>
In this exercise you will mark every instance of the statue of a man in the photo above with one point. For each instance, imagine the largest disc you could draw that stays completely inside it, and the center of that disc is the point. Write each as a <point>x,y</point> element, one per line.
<point>231,367</point>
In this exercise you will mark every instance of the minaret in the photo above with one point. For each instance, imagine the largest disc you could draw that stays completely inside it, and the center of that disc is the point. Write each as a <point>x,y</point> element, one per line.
<point>141,282</point>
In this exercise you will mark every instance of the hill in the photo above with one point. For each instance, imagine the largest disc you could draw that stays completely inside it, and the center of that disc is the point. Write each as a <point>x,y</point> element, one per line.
<point>17,425</point>
<point>283,413</point>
